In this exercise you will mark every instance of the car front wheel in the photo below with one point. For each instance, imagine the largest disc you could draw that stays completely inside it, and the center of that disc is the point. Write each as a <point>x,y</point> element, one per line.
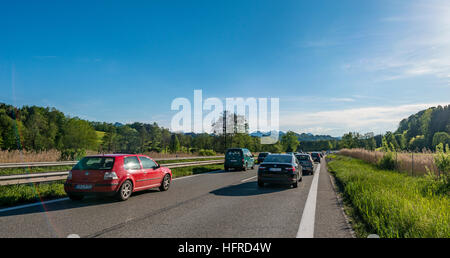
<point>165,183</point>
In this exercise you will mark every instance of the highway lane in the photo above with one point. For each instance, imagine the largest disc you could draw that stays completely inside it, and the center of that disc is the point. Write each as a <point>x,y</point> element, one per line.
<point>219,204</point>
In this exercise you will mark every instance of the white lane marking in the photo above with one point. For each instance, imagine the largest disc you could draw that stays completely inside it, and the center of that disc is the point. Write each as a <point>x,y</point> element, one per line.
<point>306,228</point>
<point>248,179</point>
<point>33,204</point>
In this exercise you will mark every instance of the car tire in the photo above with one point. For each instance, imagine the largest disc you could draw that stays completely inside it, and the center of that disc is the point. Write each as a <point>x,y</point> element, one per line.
<point>244,168</point>
<point>226,169</point>
<point>260,183</point>
<point>75,197</point>
<point>165,183</point>
<point>295,185</point>
<point>125,191</point>
<point>253,166</point>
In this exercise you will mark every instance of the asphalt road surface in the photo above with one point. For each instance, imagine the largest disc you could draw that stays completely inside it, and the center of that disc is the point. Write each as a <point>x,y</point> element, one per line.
<point>217,204</point>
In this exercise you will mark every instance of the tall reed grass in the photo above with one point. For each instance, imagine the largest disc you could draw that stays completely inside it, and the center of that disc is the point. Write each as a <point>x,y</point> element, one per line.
<point>17,156</point>
<point>415,164</point>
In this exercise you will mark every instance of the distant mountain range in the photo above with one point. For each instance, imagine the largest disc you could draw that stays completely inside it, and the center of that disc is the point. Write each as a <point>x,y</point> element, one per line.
<point>305,137</point>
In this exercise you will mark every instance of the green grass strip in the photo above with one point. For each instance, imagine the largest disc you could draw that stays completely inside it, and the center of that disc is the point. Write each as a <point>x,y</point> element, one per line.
<point>392,204</point>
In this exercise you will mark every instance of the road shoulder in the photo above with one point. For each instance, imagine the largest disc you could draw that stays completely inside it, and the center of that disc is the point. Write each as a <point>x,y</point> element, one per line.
<point>330,221</point>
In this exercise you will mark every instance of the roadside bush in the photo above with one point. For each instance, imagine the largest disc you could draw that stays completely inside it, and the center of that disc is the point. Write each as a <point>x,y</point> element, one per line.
<point>388,161</point>
<point>203,152</point>
<point>72,154</point>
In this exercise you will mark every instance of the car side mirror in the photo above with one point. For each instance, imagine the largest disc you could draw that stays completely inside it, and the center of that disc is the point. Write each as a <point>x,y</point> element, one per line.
<point>157,166</point>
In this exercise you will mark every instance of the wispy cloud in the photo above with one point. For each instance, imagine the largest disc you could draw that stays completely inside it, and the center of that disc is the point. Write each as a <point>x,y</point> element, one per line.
<point>376,119</point>
<point>343,99</point>
<point>420,46</point>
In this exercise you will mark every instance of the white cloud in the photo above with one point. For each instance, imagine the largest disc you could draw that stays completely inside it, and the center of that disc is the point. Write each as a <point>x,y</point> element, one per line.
<point>365,119</point>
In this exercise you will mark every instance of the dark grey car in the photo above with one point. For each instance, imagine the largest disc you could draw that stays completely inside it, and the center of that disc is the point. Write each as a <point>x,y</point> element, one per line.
<point>306,162</point>
<point>280,169</point>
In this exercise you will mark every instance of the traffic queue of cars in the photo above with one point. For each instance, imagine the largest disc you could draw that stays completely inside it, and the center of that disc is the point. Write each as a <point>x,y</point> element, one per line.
<point>285,168</point>
<point>120,175</point>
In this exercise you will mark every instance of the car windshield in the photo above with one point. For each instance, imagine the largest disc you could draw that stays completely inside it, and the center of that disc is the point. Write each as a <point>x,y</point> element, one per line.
<point>302,157</point>
<point>234,153</point>
<point>278,158</point>
<point>94,163</point>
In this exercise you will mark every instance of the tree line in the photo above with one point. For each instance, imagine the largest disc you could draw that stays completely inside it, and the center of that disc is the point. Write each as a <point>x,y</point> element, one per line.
<point>40,129</point>
<point>421,131</point>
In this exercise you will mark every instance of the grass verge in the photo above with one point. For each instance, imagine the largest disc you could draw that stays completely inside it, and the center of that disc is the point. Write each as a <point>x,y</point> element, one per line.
<point>12,195</point>
<point>391,204</point>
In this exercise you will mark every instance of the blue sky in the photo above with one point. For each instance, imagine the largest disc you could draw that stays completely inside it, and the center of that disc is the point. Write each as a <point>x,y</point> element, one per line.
<point>337,66</point>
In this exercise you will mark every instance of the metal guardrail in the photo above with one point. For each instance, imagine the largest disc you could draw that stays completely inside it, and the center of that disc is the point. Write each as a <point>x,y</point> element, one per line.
<point>68,163</point>
<point>62,175</point>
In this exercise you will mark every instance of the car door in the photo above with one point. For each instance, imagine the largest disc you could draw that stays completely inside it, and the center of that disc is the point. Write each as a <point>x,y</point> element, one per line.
<point>251,160</point>
<point>132,165</point>
<point>152,172</point>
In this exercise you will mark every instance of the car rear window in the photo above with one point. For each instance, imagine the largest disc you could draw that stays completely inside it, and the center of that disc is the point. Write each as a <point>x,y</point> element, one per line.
<point>315,154</point>
<point>278,158</point>
<point>234,153</point>
<point>95,163</point>
<point>263,154</point>
<point>302,157</point>
<point>131,163</point>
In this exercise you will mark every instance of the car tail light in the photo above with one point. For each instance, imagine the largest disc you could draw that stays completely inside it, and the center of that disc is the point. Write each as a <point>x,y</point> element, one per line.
<point>261,167</point>
<point>291,168</point>
<point>110,176</point>
<point>242,160</point>
<point>69,177</point>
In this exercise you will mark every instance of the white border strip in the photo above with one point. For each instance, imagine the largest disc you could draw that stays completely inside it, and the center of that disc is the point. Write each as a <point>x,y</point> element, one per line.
<point>306,228</point>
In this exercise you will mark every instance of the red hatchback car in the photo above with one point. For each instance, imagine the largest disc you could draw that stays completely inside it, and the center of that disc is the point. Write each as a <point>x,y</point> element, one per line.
<point>115,174</point>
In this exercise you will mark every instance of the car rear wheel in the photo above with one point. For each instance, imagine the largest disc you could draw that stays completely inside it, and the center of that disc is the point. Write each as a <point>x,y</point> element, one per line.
<point>125,191</point>
<point>165,183</point>
<point>295,185</point>
<point>76,197</point>
<point>260,184</point>
<point>244,168</point>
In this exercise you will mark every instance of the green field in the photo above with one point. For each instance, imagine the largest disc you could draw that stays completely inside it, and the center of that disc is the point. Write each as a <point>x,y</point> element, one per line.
<point>392,204</point>
<point>27,193</point>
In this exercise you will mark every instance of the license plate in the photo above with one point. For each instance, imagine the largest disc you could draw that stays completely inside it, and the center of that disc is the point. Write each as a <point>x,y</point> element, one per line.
<point>233,160</point>
<point>83,187</point>
<point>275,169</point>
